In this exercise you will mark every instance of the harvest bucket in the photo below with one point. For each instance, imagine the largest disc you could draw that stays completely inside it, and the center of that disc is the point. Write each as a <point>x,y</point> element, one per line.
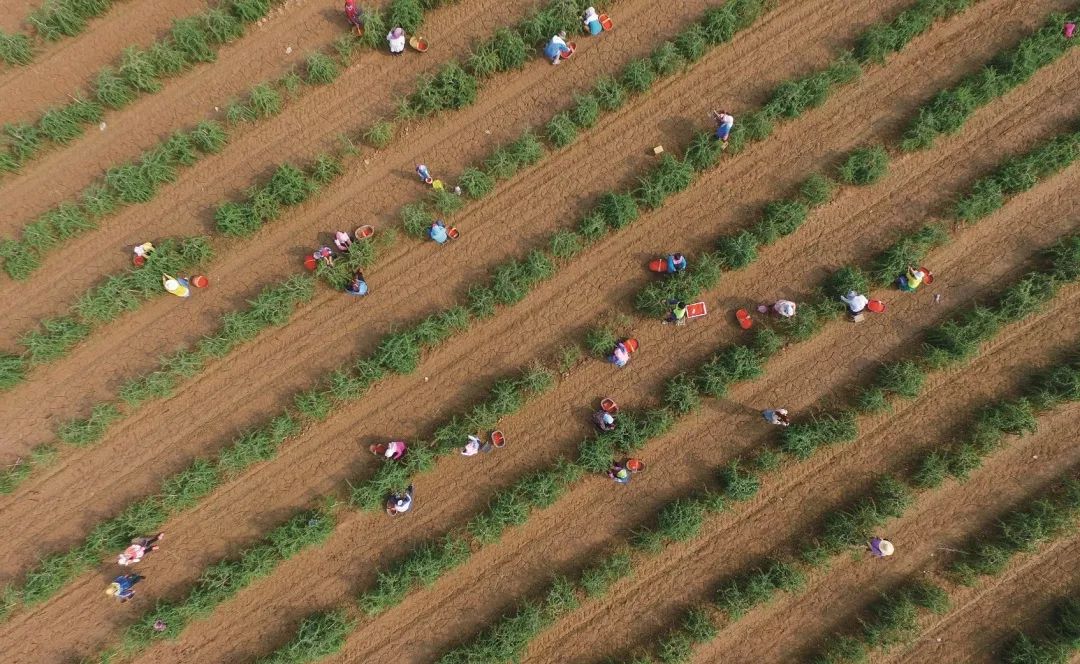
<point>566,54</point>
<point>635,465</point>
<point>139,261</point>
<point>498,439</point>
<point>364,232</point>
<point>744,319</point>
<point>658,265</point>
<point>631,345</point>
<point>929,278</point>
<point>453,233</point>
<point>418,43</point>
<point>876,306</point>
<point>605,21</point>
<point>608,405</point>
<point>199,281</point>
<point>310,263</point>
<point>696,310</point>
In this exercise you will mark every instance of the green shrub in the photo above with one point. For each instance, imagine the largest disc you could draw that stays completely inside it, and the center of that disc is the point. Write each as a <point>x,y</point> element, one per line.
<point>666,59</point>
<point>65,123</point>
<point>325,169</point>
<point>209,137</point>
<point>380,134</point>
<point>561,130</point>
<point>511,49</point>
<point>236,219</point>
<point>600,341</point>
<point>83,432</point>
<point>249,11</point>
<point>739,484</point>
<point>166,58</point>
<point>319,634</point>
<point>703,151</point>
<point>399,353</point>
<point>407,14</point>
<point>290,186</point>
<point>476,183</point>
<point>638,76</point>
<point>55,339</point>
<point>675,648</point>
<point>192,39</point>
<point>446,202</point>
<point>264,101</point>
<point>451,88</point>
<point>779,219</point>
<point>739,250</point>
<point>12,370</point>
<point>24,141</point>
<point>610,95</point>
<point>1026,297</point>
<point>321,69</point>
<point>221,26</point>
<point>586,110</point>
<point>909,250</point>
<point>692,43</point>
<point>802,439</point>
<point>565,244</point>
<point>681,395</point>
<point>816,190</point>
<point>15,49</point>
<point>112,90</point>
<point>618,210</point>
<point>865,166</point>
<point>757,587</point>
<point>669,177</point>
<point>138,71</point>
<point>845,280</point>
<point>56,19</point>
<point>731,365</point>
<point>599,578</point>
<point>680,520</point>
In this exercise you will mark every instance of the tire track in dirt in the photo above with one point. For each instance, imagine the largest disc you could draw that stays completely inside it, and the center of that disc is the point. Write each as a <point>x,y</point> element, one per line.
<point>59,68</point>
<point>63,172</point>
<point>269,596</point>
<point>943,519</point>
<point>95,591</point>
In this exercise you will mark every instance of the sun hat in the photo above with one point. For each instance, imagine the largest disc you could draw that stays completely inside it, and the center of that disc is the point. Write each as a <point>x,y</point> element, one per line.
<point>607,418</point>
<point>397,32</point>
<point>886,547</point>
<point>171,284</point>
<point>112,589</point>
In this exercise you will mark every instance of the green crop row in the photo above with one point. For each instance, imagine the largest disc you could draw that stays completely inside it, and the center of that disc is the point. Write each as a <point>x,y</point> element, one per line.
<point>119,293</point>
<point>864,166</point>
<point>950,109</point>
<point>1056,642</point>
<point>319,635</point>
<point>287,187</point>
<point>225,579</point>
<point>52,21</point>
<point>718,25</point>
<point>272,307</point>
<point>192,40</point>
<point>136,182</point>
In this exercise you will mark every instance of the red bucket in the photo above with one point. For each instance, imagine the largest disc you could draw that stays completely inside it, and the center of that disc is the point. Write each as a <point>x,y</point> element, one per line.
<point>876,306</point>
<point>310,263</point>
<point>364,232</point>
<point>635,465</point>
<point>631,345</point>
<point>139,261</point>
<point>453,233</point>
<point>498,439</point>
<point>929,278</point>
<point>199,281</point>
<point>566,54</point>
<point>605,22</point>
<point>658,265</point>
<point>608,405</point>
<point>745,322</point>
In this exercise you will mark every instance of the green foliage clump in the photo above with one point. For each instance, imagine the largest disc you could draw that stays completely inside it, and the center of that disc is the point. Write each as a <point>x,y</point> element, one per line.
<point>865,166</point>
<point>190,37</point>
<point>222,26</point>
<point>451,88</point>
<point>15,48</point>
<point>779,219</point>
<point>909,250</point>
<point>681,394</point>
<point>249,11</point>
<point>599,578</point>
<point>670,176</point>
<point>82,432</point>
<point>600,341</point>
<point>476,183</point>
<point>729,366</point>
<point>586,110</point>
<point>321,69</point>
<point>66,123</point>
<point>1055,644</point>
<point>561,130</point>
<point>739,484</point>
<point>758,587</point>
<point>666,59</point>
<point>703,151</point>
<point>380,134</point>
<point>422,566</point>
<point>638,76</point>
<point>609,93</point>
<point>565,244</point>
<point>617,210</point>
<point>816,190</point>
<point>802,439</point>
<point>319,635</point>
<point>739,250</point>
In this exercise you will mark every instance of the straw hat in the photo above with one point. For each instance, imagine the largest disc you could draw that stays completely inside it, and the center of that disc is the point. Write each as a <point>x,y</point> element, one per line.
<point>397,32</point>
<point>171,284</point>
<point>112,589</point>
<point>886,547</point>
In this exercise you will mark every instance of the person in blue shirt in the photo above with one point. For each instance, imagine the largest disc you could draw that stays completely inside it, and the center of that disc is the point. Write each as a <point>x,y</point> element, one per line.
<point>438,232</point>
<point>556,47</point>
<point>357,286</point>
<point>123,586</point>
<point>592,21</point>
<point>676,263</point>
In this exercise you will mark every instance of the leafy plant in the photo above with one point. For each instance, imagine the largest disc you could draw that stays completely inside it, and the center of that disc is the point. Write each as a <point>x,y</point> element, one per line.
<point>638,76</point>
<point>15,49</point>
<point>380,134</point>
<point>321,68</point>
<point>319,635</point>
<point>561,130</point>
<point>865,166</point>
<point>609,93</point>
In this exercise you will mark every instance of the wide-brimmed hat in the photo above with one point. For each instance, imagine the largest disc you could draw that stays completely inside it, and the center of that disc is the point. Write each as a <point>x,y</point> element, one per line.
<point>397,32</point>
<point>171,284</point>
<point>112,589</point>
<point>886,547</point>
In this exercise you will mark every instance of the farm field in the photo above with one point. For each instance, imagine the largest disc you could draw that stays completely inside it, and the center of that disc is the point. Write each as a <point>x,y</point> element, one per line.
<point>238,136</point>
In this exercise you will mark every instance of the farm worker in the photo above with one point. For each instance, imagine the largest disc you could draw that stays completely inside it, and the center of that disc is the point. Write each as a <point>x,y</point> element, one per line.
<point>724,122</point>
<point>676,263</point>
<point>777,416</point>
<point>438,232</point>
<point>160,625</point>
<point>592,21</point>
<point>144,249</point>
<point>604,420</point>
<point>342,241</point>
<point>1070,30</point>
<point>325,255</point>
<point>785,308</point>
<point>619,473</point>
<point>881,548</point>
<point>678,313</point>
<point>357,286</point>
<point>911,280</point>
<point>399,504</point>
<point>178,287</point>
<point>424,174</point>
<point>621,355</point>
<point>354,16</point>
<point>122,586</point>
<point>471,447</point>
<point>396,38</point>
<point>855,302</point>
<point>556,47</point>
<point>395,449</point>
<point>140,546</point>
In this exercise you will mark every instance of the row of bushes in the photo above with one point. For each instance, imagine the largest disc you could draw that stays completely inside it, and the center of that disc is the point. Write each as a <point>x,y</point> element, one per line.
<point>226,578</point>
<point>52,21</point>
<point>1017,175</point>
<point>718,25</point>
<point>950,109</point>
<point>892,619</point>
<point>319,635</point>
<point>1021,530</point>
<point>101,304</point>
<point>16,48</point>
<point>273,306</point>
<point>507,396</point>
<point>287,187</point>
<point>192,40</point>
<point>1054,644</point>
<point>135,182</point>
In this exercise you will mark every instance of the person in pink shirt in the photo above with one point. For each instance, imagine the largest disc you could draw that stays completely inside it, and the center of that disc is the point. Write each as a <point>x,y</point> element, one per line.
<point>140,546</point>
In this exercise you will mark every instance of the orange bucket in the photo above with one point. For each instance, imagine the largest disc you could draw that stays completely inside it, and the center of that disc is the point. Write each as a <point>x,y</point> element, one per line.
<point>199,281</point>
<point>310,263</point>
<point>453,233</point>
<point>139,261</point>
<point>608,405</point>
<point>364,232</point>
<point>876,306</point>
<point>635,465</point>
<point>605,22</point>
<point>498,439</point>
<point>565,55</point>
<point>631,345</point>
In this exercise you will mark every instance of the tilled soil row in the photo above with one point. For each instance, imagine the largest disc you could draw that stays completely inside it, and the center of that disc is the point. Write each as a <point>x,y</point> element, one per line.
<point>942,519</point>
<point>59,68</point>
<point>230,288</point>
<point>267,602</point>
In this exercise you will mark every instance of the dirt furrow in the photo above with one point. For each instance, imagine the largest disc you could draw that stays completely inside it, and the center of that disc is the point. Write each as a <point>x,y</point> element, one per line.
<point>293,29</point>
<point>941,521</point>
<point>60,68</point>
<point>468,360</point>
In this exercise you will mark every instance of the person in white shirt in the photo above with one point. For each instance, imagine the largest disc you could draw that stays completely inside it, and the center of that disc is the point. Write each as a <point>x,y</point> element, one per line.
<point>396,38</point>
<point>785,308</point>
<point>472,447</point>
<point>556,47</point>
<point>855,302</point>
<point>724,122</point>
<point>399,504</point>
